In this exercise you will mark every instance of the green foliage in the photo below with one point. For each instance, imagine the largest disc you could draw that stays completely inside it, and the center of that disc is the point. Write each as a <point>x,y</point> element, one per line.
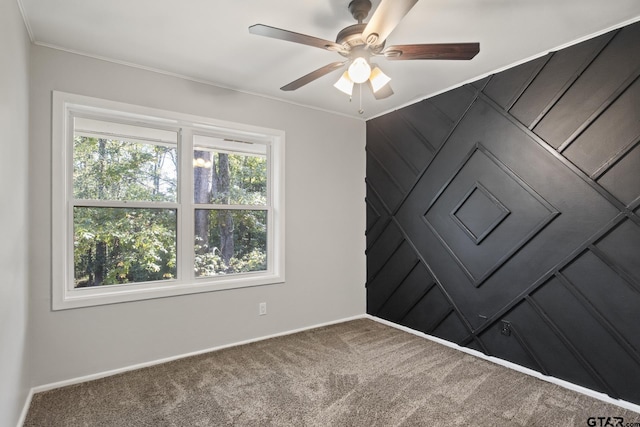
<point>128,245</point>
<point>249,238</point>
<point>138,245</point>
<point>248,184</point>
<point>247,179</point>
<point>115,245</point>
<point>212,264</point>
<point>231,241</point>
<point>109,169</point>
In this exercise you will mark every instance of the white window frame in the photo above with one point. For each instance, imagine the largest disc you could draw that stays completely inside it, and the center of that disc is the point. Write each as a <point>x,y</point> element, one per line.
<point>64,295</point>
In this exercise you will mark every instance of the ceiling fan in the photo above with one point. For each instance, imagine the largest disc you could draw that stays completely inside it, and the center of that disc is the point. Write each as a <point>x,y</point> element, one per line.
<point>362,41</point>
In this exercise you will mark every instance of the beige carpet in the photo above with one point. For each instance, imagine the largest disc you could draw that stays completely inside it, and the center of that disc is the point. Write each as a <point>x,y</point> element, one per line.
<point>358,373</point>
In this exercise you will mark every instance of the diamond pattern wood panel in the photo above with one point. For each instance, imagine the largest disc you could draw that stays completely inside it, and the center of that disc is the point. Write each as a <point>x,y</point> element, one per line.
<point>513,202</point>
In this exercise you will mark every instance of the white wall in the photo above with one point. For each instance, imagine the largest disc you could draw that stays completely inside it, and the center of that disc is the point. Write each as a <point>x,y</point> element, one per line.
<point>325,223</point>
<point>14,109</point>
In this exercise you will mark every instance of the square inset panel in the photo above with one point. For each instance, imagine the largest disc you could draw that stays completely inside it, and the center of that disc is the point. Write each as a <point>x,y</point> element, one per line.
<point>479,212</point>
<point>485,213</point>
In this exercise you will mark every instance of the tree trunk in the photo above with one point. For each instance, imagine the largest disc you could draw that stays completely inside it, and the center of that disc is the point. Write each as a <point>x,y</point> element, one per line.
<point>90,269</point>
<point>101,260</point>
<point>157,166</point>
<point>225,220</point>
<point>202,179</point>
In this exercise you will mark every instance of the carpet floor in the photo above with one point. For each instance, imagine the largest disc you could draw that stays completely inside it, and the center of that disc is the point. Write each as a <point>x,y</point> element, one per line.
<point>357,373</point>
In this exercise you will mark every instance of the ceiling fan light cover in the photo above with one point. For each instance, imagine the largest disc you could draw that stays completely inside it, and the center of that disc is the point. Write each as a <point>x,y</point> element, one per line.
<point>359,70</point>
<point>378,79</point>
<point>344,84</point>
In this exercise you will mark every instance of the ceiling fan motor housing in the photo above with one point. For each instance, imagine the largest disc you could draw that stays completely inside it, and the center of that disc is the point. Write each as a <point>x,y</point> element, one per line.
<point>351,37</point>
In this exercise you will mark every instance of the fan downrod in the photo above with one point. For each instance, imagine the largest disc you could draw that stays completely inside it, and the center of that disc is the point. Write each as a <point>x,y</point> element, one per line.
<point>359,9</point>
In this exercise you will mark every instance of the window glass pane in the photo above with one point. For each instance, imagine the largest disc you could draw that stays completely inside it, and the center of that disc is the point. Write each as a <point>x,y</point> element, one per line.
<point>230,241</point>
<point>229,178</point>
<point>123,162</point>
<point>123,245</point>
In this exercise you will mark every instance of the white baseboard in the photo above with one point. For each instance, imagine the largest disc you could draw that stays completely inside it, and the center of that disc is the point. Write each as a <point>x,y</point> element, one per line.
<point>562,383</point>
<point>91,377</point>
<point>25,408</point>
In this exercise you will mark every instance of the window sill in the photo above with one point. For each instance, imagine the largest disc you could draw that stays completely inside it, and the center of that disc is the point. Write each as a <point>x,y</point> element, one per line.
<point>114,294</point>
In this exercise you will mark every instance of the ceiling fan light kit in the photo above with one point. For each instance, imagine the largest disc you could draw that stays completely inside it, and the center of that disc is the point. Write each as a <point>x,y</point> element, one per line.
<point>359,70</point>
<point>344,84</point>
<point>361,41</point>
<point>378,79</point>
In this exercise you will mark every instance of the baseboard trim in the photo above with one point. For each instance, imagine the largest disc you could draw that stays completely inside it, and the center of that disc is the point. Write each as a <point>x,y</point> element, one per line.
<point>562,383</point>
<point>25,408</point>
<point>91,377</point>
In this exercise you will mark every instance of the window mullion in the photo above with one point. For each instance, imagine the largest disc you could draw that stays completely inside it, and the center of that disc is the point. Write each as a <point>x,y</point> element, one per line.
<point>186,211</point>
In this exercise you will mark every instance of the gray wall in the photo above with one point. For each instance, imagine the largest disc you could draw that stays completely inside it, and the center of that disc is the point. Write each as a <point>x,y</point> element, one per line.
<point>505,215</point>
<point>325,260</point>
<point>14,230</point>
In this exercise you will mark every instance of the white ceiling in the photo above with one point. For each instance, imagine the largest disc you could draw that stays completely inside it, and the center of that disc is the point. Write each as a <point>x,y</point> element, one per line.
<point>208,40</point>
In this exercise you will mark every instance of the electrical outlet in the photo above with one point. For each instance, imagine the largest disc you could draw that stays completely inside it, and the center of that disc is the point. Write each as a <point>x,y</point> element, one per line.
<point>506,328</point>
<point>262,308</point>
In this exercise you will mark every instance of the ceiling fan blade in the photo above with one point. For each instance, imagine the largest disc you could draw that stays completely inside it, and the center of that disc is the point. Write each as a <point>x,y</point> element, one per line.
<point>382,93</point>
<point>385,19</point>
<point>290,36</point>
<point>312,76</point>
<point>432,51</point>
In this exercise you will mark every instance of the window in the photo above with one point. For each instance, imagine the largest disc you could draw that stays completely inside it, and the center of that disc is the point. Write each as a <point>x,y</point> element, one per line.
<point>230,194</point>
<point>149,203</point>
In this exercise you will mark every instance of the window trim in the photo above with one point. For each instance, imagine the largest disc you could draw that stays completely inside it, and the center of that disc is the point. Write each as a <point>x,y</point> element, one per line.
<point>64,296</point>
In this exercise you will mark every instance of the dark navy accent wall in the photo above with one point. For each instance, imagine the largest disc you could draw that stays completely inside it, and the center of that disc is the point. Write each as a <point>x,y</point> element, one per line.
<point>504,215</point>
